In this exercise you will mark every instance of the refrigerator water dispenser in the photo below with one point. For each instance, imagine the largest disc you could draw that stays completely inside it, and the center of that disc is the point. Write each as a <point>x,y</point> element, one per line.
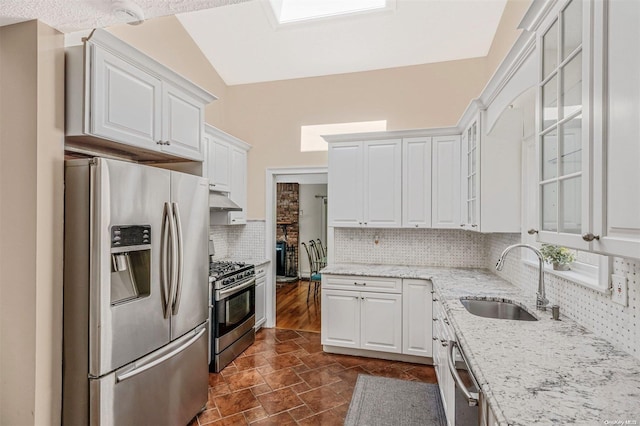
<point>130,262</point>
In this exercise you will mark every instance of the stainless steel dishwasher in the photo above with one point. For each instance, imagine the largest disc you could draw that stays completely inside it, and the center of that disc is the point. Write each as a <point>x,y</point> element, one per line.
<point>467,399</point>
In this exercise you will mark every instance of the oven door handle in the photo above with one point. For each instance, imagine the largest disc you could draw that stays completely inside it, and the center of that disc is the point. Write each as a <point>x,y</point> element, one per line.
<point>223,294</point>
<point>471,397</point>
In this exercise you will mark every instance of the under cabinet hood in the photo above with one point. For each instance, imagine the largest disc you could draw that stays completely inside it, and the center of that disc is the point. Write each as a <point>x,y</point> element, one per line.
<point>221,202</point>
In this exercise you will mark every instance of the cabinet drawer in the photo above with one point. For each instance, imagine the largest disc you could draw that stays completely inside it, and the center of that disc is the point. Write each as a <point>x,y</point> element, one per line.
<point>352,282</point>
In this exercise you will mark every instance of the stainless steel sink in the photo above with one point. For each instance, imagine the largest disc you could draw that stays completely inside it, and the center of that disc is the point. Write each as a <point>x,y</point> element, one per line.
<point>496,309</point>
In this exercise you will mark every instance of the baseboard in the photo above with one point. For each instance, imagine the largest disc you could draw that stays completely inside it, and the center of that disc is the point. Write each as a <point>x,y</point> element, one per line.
<point>378,355</point>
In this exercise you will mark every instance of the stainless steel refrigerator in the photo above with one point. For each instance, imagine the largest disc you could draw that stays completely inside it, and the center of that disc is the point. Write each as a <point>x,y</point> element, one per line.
<point>135,346</point>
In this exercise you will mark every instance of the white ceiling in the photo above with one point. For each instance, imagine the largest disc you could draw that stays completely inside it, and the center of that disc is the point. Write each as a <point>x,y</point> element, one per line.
<point>245,46</point>
<point>76,15</point>
<point>243,43</point>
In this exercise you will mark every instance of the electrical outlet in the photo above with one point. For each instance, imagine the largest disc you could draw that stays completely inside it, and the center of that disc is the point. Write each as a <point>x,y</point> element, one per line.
<point>619,291</point>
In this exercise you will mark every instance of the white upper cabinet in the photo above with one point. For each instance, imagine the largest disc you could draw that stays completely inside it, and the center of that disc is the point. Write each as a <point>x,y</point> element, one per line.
<point>416,182</point>
<point>446,182</point>
<point>345,184</point>
<point>365,183</point>
<point>226,169</point>
<point>470,179</point>
<point>383,183</point>
<point>616,160</point>
<point>588,127</point>
<point>563,124</point>
<point>120,100</point>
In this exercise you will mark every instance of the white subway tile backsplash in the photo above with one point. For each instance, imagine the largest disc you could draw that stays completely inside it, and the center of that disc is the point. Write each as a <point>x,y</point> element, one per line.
<point>239,241</point>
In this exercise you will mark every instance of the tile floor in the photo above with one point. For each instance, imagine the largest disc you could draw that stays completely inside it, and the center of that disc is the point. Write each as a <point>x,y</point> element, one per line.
<point>284,378</point>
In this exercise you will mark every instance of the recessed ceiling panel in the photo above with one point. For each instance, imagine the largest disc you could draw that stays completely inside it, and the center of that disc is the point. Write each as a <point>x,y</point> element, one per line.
<point>245,47</point>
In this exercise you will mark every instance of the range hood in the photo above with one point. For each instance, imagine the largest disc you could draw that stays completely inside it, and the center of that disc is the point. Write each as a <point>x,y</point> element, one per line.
<point>221,202</point>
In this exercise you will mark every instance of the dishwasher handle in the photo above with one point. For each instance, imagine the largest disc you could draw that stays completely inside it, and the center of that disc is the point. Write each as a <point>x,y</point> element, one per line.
<point>471,397</point>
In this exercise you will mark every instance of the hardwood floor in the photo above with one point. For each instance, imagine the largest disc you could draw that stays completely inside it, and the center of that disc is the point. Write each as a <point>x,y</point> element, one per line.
<point>284,378</point>
<point>292,310</point>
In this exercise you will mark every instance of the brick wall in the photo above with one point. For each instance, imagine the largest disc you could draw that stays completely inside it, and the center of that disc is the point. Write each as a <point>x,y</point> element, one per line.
<point>287,219</point>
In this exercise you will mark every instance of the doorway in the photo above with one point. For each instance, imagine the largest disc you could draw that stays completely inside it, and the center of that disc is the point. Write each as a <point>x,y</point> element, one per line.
<point>296,213</point>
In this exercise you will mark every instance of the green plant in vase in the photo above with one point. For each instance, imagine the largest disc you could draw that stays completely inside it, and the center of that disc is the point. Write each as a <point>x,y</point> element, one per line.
<point>560,257</point>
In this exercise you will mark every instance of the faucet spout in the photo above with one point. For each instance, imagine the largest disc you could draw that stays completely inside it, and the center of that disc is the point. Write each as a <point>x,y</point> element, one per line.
<point>541,300</point>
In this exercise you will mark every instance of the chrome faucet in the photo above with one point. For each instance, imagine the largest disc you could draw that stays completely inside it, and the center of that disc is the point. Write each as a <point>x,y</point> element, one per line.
<point>541,300</point>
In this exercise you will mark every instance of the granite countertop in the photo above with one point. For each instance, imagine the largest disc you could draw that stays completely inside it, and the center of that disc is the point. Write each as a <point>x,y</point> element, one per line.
<point>531,372</point>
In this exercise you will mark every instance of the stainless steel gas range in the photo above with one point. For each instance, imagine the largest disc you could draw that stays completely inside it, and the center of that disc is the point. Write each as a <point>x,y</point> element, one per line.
<point>233,309</point>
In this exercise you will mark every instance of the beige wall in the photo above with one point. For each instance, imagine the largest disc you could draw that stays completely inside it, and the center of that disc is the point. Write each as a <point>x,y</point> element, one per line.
<point>166,40</point>
<point>31,223</point>
<point>507,33</point>
<point>269,115</point>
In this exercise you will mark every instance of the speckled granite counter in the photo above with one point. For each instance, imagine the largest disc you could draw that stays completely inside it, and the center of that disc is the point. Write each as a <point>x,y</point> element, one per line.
<point>538,372</point>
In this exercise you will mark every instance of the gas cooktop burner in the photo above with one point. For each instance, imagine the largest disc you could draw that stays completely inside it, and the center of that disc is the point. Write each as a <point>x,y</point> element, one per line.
<point>227,274</point>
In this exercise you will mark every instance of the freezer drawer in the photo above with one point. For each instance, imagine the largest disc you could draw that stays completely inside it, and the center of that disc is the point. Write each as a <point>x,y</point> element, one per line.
<point>167,387</point>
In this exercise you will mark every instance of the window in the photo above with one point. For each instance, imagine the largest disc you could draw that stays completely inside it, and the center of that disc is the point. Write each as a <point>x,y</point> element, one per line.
<point>311,136</point>
<point>290,11</point>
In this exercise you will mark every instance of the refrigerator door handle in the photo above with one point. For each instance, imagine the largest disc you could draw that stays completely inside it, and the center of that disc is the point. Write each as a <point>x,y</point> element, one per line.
<point>166,296</point>
<point>144,366</point>
<point>180,249</point>
<point>171,266</point>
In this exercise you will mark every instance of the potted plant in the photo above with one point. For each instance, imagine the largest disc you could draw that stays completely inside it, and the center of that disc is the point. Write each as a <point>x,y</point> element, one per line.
<point>559,256</point>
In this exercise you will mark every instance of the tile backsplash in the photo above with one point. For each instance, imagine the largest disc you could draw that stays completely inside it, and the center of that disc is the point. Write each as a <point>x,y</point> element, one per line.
<point>427,247</point>
<point>592,309</point>
<point>239,241</point>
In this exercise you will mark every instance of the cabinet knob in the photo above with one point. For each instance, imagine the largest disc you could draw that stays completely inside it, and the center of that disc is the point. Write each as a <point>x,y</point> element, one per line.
<point>444,342</point>
<point>434,338</point>
<point>416,225</point>
<point>462,225</point>
<point>532,231</point>
<point>435,299</point>
<point>435,319</point>
<point>446,321</point>
<point>365,223</point>
<point>474,226</point>
<point>160,143</point>
<point>590,237</point>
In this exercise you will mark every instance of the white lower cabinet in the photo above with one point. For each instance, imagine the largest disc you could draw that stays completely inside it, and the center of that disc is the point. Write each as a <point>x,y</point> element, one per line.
<point>417,317</point>
<point>441,337</point>
<point>362,320</point>
<point>261,299</point>
<point>377,313</point>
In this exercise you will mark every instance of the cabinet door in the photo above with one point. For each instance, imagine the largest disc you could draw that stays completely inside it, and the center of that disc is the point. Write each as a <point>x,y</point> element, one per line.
<point>416,182</point>
<point>417,317</point>
<point>345,184</point>
<point>260,302</point>
<point>446,182</point>
<point>238,187</point>
<point>182,123</point>
<point>383,183</point>
<point>381,322</point>
<point>219,162</point>
<point>340,318</point>
<point>617,209</point>
<point>563,125</point>
<point>125,102</point>
<point>470,178</point>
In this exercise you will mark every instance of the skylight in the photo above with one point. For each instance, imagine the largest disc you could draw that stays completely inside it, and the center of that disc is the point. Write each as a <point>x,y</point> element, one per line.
<point>289,11</point>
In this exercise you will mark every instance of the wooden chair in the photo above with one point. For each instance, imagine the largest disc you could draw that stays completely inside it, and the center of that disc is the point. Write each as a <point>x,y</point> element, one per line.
<point>314,275</point>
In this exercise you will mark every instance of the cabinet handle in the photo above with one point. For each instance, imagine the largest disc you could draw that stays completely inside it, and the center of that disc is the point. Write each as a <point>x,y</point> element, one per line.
<point>363,284</point>
<point>435,319</point>
<point>590,237</point>
<point>532,231</point>
<point>462,225</point>
<point>416,225</point>
<point>434,338</point>
<point>167,143</point>
<point>446,321</point>
<point>444,343</point>
<point>435,299</point>
<point>359,223</point>
<point>365,223</point>
<point>160,143</point>
<point>474,226</point>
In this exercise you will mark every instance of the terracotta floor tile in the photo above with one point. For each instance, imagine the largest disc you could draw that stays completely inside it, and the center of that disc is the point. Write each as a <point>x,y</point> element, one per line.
<point>301,412</point>
<point>424,373</point>
<point>284,361</point>
<point>259,346</point>
<point>284,347</point>
<point>319,377</point>
<point>229,369</point>
<point>282,378</point>
<point>277,420</point>
<point>264,333</point>
<point>208,416</point>
<point>322,419</point>
<point>350,375</point>
<point>235,420</point>
<point>310,347</point>
<point>211,403</point>
<point>300,387</point>
<point>348,361</point>
<point>310,336</point>
<point>236,402</point>
<point>322,399</point>
<point>194,422</point>
<point>341,410</point>
<point>301,368</point>
<point>215,379</point>
<point>250,361</point>
<point>266,369</point>
<point>371,364</point>
<point>283,335</point>
<point>255,414</point>
<point>280,400</point>
<point>219,390</point>
<point>342,388</point>
<point>391,372</point>
<point>317,360</point>
<point>245,379</point>
<point>260,389</point>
